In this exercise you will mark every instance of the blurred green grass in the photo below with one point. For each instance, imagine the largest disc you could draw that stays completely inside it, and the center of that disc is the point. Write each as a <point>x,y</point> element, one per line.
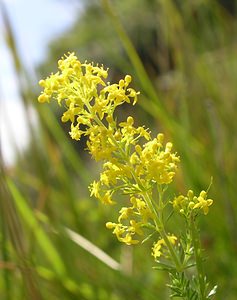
<point>190,95</point>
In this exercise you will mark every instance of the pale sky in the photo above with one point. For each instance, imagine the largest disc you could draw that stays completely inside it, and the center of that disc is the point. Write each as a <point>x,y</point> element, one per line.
<point>35,23</point>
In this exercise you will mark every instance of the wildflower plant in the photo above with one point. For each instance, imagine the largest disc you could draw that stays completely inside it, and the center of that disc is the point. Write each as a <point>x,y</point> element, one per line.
<point>136,166</point>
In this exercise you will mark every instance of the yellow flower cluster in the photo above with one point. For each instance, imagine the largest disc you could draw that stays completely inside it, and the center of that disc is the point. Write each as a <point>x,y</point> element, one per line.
<point>129,165</point>
<point>133,163</point>
<point>133,167</point>
<point>89,101</point>
<point>160,247</point>
<point>190,203</point>
<point>135,216</point>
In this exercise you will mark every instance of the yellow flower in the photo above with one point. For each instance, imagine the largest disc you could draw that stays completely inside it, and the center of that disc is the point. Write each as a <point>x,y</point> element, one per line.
<point>172,238</point>
<point>133,163</point>
<point>95,189</point>
<point>135,227</point>
<point>70,113</point>
<point>156,250</point>
<point>178,201</point>
<point>99,143</point>
<point>158,247</point>
<point>106,198</point>
<point>157,164</point>
<point>125,213</point>
<point>202,202</point>
<point>118,229</point>
<point>141,209</point>
<point>43,98</point>
<point>128,240</point>
<point>187,204</point>
<point>75,133</point>
<point>110,225</point>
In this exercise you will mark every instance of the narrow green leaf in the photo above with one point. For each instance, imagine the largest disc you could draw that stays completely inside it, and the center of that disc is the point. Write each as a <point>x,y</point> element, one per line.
<point>42,239</point>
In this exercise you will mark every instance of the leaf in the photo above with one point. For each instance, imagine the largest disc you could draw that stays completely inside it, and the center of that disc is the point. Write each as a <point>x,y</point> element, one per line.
<point>164,266</point>
<point>148,237</point>
<point>42,239</point>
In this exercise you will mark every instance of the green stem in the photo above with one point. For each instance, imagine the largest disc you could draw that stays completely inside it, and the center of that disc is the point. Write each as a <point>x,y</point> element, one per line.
<point>158,218</point>
<point>198,259</point>
<point>160,228</point>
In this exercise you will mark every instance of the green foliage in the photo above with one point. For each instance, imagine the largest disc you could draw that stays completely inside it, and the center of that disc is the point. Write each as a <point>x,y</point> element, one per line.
<point>188,50</point>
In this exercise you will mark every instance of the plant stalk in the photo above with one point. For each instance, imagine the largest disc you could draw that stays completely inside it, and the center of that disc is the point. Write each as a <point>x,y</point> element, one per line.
<point>198,259</point>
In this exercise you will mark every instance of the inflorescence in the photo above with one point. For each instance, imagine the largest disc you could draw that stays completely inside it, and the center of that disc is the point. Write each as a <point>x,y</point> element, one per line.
<point>134,163</point>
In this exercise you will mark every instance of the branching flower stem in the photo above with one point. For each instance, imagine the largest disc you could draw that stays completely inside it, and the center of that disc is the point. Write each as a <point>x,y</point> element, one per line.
<point>198,259</point>
<point>161,230</point>
<point>132,167</point>
<point>158,217</point>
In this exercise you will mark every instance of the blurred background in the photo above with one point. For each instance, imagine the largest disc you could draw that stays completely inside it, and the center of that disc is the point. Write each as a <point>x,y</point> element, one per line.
<point>183,58</point>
